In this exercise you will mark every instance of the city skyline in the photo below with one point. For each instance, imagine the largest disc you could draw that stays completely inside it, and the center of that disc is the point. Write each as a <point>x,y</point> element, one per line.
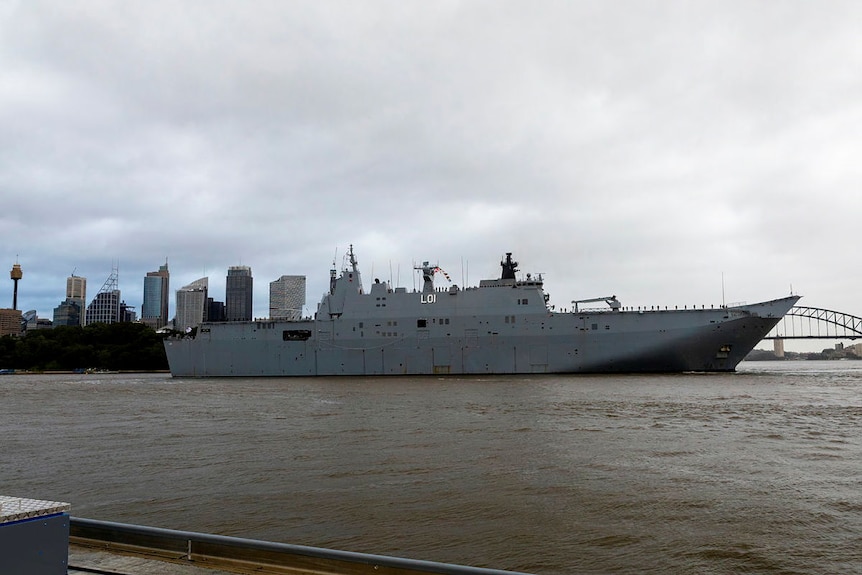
<point>79,286</point>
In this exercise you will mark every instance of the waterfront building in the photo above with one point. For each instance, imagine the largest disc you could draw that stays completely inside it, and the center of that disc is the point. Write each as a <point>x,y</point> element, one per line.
<point>238,293</point>
<point>191,304</point>
<point>287,297</point>
<point>154,310</point>
<point>105,307</point>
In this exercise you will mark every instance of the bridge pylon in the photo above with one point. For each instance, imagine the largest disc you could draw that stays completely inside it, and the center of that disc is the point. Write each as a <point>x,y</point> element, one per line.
<point>778,347</point>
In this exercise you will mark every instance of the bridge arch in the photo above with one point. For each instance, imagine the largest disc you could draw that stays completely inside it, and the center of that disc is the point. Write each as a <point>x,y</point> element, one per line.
<point>816,323</point>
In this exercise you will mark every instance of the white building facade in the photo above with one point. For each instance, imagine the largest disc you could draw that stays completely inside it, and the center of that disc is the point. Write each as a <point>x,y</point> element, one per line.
<point>191,301</point>
<point>287,297</point>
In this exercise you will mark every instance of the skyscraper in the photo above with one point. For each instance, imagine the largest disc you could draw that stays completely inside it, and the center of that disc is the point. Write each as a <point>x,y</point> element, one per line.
<point>105,307</point>
<point>76,292</point>
<point>154,310</point>
<point>287,297</point>
<point>238,293</point>
<point>192,304</point>
<point>215,310</point>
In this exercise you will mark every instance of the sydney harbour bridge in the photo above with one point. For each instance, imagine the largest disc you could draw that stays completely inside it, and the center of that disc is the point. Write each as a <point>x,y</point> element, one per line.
<point>803,322</point>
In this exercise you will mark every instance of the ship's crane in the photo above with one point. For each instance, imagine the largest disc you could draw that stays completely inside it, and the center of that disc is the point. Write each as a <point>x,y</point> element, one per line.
<point>611,300</point>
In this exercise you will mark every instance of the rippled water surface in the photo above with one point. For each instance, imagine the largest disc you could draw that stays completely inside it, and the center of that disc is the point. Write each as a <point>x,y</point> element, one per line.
<point>756,472</point>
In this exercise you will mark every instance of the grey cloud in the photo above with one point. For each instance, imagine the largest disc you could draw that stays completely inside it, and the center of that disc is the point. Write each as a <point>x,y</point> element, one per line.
<point>623,147</point>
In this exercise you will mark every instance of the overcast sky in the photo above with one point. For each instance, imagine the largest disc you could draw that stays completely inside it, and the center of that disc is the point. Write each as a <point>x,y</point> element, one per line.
<point>643,149</point>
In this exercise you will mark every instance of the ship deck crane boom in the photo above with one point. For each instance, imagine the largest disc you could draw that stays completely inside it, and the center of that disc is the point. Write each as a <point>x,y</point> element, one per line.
<point>611,300</point>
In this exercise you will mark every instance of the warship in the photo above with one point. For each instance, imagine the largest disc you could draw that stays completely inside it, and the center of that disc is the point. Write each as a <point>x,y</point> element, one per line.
<point>501,326</point>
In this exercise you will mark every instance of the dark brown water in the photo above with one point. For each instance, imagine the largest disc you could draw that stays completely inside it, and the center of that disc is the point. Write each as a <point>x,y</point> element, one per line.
<point>754,472</point>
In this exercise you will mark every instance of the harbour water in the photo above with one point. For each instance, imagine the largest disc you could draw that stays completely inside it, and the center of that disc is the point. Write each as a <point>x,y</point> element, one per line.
<point>752,472</point>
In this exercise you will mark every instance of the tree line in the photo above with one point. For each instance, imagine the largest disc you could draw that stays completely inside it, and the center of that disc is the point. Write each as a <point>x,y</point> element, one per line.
<point>116,346</point>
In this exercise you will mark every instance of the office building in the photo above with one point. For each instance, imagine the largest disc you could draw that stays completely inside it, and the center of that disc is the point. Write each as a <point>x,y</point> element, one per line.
<point>127,313</point>
<point>31,321</point>
<point>76,290</point>
<point>192,304</point>
<point>238,294</point>
<point>72,310</point>
<point>154,310</point>
<point>69,312</point>
<point>215,310</point>
<point>287,297</point>
<point>105,307</point>
<point>10,321</point>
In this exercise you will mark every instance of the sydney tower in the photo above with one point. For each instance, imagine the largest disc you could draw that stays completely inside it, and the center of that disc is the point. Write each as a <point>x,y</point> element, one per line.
<point>15,274</point>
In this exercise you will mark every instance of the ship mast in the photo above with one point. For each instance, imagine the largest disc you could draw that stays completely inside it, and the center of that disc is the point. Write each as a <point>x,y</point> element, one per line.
<point>509,267</point>
<point>352,259</point>
<point>428,276</point>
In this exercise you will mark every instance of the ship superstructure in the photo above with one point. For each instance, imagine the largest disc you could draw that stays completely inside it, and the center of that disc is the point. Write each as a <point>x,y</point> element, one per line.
<point>503,326</point>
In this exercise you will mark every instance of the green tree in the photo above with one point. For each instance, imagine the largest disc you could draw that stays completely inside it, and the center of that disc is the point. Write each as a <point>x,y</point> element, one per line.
<point>118,346</point>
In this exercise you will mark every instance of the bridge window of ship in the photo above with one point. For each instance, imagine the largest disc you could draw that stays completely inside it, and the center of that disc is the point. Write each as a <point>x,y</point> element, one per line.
<point>421,323</point>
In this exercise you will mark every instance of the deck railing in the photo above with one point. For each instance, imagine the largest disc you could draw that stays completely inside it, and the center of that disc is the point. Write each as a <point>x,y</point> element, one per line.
<point>218,551</point>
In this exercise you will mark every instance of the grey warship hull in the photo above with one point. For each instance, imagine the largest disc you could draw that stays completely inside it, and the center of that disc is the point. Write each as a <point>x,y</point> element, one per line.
<point>503,326</point>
